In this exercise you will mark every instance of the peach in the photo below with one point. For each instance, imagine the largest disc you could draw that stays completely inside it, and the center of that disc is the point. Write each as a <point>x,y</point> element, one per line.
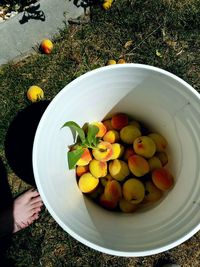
<point>85,158</point>
<point>107,124</point>
<point>97,192</point>
<point>154,163</point>
<point>138,165</point>
<point>162,157</point>
<point>107,203</point>
<point>162,179</point>
<point>118,121</point>
<point>105,179</point>
<point>118,150</point>
<point>133,190</point>
<point>112,136</point>
<point>144,146</point>
<point>98,168</point>
<point>128,151</point>
<point>103,151</point>
<point>112,193</point>
<point>102,128</point>
<point>152,193</point>
<point>126,206</point>
<point>136,124</point>
<point>118,169</point>
<point>113,190</point>
<point>129,133</point>
<point>46,46</point>
<point>159,140</point>
<point>87,182</point>
<point>81,170</point>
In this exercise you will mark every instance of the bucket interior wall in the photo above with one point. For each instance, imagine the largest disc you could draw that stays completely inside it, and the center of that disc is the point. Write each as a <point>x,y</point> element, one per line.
<point>165,105</point>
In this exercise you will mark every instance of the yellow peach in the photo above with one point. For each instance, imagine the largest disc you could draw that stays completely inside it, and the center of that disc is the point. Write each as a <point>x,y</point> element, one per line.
<point>112,136</point>
<point>159,140</point>
<point>98,168</point>
<point>46,46</point>
<point>81,170</point>
<point>85,158</point>
<point>102,128</point>
<point>162,179</point>
<point>103,151</point>
<point>87,183</point>
<point>152,193</point>
<point>129,133</point>
<point>126,206</point>
<point>118,169</point>
<point>162,157</point>
<point>138,165</point>
<point>133,190</point>
<point>154,163</point>
<point>118,150</point>
<point>144,146</point>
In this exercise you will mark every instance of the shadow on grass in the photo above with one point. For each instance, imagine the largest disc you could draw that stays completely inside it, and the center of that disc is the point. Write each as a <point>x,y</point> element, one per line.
<point>19,140</point>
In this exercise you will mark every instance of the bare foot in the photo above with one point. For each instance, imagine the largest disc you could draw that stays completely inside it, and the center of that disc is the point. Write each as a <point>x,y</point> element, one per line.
<point>26,209</point>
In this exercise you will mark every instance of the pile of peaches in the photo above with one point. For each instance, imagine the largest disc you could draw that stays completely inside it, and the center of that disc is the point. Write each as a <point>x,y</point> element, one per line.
<point>126,170</point>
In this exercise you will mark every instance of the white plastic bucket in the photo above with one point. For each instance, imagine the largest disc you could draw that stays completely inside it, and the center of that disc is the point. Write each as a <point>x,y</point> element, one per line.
<point>165,103</point>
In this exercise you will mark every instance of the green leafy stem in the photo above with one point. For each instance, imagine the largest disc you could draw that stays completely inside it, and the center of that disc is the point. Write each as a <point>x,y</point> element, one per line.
<point>82,140</point>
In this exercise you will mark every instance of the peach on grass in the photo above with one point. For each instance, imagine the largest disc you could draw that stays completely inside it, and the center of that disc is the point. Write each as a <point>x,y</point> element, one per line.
<point>126,206</point>
<point>129,133</point>
<point>118,121</point>
<point>112,136</point>
<point>162,157</point>
<point>35,93</point>
<point>159,140</point>
<point>102,128</point>
<point>138,165</point>
<point>133,190</point>
<point>103,151</point>
<point>107,5</point>
<point>46,46</point>
<point>81,170</point>
<point>87,182</point>
<point>118,150</point>
<point>85,158</point>
<point>128,151</point>
<point>154,163</point>
<point>144,146</point>
<point>98,168</point>
<point>118,169</point>
<point>121,61</point>
<point>162,179</point>
<point>152,193</point>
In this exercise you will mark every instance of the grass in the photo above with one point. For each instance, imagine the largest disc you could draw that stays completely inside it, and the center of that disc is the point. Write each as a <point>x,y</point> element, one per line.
<point>164,33</point>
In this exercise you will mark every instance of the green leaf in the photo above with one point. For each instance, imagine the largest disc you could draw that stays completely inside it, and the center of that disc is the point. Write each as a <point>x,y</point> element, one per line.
<point>74,156</point>
<point>75,128</point>
<point>91,134</point>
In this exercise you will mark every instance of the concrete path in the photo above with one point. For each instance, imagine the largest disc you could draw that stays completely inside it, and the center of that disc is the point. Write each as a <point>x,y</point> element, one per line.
<point>21,33</point>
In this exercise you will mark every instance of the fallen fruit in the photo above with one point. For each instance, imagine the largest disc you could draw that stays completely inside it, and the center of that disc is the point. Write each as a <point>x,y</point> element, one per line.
<point>35,93</point>
<point>46,46</point>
